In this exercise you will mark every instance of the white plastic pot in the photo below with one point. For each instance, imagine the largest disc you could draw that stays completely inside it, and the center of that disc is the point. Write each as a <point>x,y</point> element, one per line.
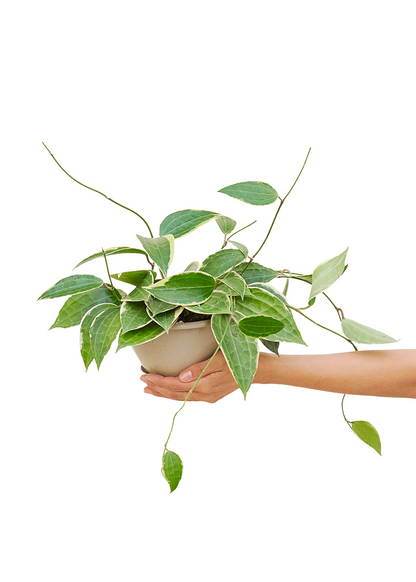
<point>184,345</point>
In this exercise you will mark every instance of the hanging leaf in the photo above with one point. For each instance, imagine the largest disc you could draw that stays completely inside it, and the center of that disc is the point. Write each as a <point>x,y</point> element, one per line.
<point>140,294</point>
<point>136,278</point>
<point>240,247</point>
<point>183,222</point>
<point>367,433</point>
<point>255,273</point>
<point>260,326</point>
<point>156,306</point>
<point>259,302</point>
<point>218,302</point>
<point>77,306</point>
<point>72,285</point>
<point>140,336</point>
<point>85,339</point>
<point>257,193</point>
<point>240,351</point>
<point>270,289</point>
<point>227,225</point>
<point>271,346</point>
<point>172,469</point>
<point>194,266</point>
<point>167,318</point>
<point>364,335</point>
<point>160,250</point>
<point>235,283</point>
<point>184,288</point>
<point>221,262</point>
<point>133,316</point>
<point>327,273</point>
<point>111,251</point>
<point>104,331</point>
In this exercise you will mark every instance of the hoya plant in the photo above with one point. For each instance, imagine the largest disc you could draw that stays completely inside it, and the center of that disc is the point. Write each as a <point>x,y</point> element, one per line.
<point>228,287</point>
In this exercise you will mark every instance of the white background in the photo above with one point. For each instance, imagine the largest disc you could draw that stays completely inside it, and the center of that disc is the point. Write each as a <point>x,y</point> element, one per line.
<point>159,105</point>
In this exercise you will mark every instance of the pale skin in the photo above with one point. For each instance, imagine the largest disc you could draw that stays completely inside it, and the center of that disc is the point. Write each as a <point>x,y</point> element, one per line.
<point>388,373</point>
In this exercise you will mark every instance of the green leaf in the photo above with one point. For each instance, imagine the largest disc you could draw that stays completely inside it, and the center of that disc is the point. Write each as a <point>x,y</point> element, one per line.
<point>103,332</point>
<point>259,302</point>
<point>140,294</point>
<point>184,288</point>
<point>255,273</point>
<point>172,469</point>
<point>156,306</point>
<point>111,251</point>
<point>271,346</point>
<point>327,273</point>
<point>185,221</point>
<point>260,325</point>
<point>160,250</point>
<point>72,285</point>
<point>367,433</point>
<point>136,278</point>
<point>257,193</point>
<point>167,318</point>
<point>140,336</point>
<point>240,351</point>
<point>240,247</point>
<point>227,225</point>
<point>270,289</point>
<point>364,335</point>
<point>77,306</point>
<point>133,316</point>
<point>85,339</point>
<point>306,278</point>
<point>221,261</point>
<point>194,266</point>
<point>217,303</point>
<point>235,283</point>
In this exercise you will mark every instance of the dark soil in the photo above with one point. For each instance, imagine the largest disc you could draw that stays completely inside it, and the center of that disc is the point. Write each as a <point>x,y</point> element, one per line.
<point>187,316</point>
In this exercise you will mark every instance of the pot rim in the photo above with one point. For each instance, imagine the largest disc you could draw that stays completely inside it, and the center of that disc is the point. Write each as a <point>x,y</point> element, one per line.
<point>181,326</point>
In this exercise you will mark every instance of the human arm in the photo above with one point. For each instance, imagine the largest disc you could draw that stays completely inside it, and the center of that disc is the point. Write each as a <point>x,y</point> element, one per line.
<point>389,373</point>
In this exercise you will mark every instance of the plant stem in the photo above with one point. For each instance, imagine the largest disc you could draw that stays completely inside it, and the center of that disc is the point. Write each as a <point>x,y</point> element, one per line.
<point>281,204</point>
<point>343,413</point>
<point>292,276</point>
<point>109,276</point>
<point>198,379</point>
<point>94,190</point>
<point>189,393</point>
<point>244,227</point>
<point>108,271</point>
<point>323,327</point>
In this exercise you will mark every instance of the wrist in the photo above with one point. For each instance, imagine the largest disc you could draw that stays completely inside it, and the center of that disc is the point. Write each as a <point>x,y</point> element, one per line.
<point>267,369</point>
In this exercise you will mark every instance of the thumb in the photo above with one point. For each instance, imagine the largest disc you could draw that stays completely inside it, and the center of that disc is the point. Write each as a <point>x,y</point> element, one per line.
<point>193,372</point>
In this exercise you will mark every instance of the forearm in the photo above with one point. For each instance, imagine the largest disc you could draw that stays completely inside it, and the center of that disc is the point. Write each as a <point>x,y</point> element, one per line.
<point>372,373</point>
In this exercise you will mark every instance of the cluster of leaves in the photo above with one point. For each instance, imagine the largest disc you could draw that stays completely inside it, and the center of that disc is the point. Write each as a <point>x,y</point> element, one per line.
<point>228,287</point>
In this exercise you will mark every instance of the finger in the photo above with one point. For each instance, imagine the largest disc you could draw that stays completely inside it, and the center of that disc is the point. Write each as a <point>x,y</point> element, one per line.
<point>194,371</point>
<point>171,394</point>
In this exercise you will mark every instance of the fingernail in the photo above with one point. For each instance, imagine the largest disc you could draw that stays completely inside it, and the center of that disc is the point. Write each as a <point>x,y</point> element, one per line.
<point>185,376</point>
<point>143,378</point>
<point>147,390</point>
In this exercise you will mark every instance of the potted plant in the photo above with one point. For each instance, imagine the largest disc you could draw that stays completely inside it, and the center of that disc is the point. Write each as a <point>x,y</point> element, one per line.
<point>226,302</point>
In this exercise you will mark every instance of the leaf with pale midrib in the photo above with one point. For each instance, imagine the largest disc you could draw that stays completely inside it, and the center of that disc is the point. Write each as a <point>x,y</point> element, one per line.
<point>72,285</point>
<point>240,351</point>
<point>257,193</point>
<point>103,332</point>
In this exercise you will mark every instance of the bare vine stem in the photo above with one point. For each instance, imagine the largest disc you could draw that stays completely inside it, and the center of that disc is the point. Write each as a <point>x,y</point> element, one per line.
<point>94,190</point>
<point>193,387</point>
<point>281,204</point>
<point>319,325</point>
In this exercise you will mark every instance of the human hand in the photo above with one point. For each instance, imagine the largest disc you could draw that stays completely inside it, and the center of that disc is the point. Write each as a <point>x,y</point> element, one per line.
<point>216,382</point>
